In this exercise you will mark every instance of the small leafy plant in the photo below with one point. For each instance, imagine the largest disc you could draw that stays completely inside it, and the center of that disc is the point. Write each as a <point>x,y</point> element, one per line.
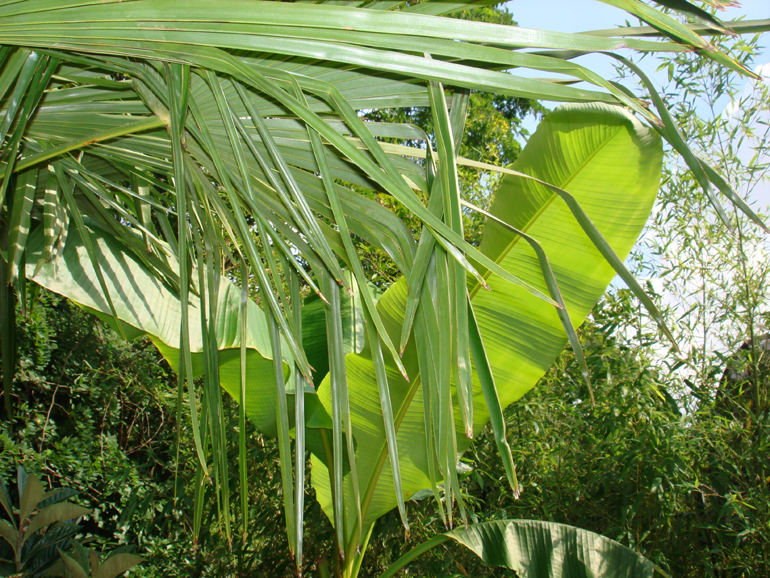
<point>86,563</point>
<point>42,527</point>
<point>43,523</point>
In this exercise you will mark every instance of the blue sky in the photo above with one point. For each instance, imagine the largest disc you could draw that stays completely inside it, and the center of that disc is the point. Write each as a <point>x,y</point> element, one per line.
<point>583,15</point>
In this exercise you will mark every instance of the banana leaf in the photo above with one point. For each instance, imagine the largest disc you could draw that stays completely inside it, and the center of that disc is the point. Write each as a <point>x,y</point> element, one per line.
<point>611,163</point>
<point>536,549</point>
<point>148,307</point>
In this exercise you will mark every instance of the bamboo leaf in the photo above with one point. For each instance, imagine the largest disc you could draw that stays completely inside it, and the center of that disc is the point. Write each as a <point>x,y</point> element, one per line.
<point>703,173</point>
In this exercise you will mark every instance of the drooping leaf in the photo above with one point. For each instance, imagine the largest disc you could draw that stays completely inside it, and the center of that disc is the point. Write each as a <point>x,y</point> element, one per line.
<point>147,306</point>
<point>535,549</point>
<point>611,164</point>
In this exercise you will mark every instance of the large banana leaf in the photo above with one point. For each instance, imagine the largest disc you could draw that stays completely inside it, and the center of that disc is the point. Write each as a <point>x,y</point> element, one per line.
<point>314,338</point>
<point>612,165</point>
<point>146,306</point>
<point>537,549</point>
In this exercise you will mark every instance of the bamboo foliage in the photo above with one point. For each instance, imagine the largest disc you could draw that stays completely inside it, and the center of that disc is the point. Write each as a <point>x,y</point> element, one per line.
<point>223,136</point>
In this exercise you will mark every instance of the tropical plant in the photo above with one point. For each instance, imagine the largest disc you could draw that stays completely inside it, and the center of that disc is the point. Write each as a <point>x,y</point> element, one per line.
<point>191,144</point>
<point>46,522</point>
<point>605,148</point>
<point>86,563</point>
<point>537,549</point>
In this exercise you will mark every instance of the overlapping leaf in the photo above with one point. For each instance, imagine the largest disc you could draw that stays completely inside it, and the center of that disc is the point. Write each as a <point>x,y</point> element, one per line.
<point>611,164</point>
<point>147,307</point>
<point>261,102</point>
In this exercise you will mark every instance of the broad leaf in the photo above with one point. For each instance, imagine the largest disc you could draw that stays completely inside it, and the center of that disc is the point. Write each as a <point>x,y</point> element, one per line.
<point>9,534</point>
<point>611,164</point>
<point>115,565</point>
<point>535,549</point>
<point>75,569</point>
<point>148,307</point>
<point>31,493</point>
<point>52,514</point>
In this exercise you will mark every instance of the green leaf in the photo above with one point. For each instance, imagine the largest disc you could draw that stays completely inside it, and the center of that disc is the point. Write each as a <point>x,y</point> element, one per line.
<point>31,493</point>
<point>281,417</point>
<point>52,514</point>
<point>75,568</point>
<point>56,496</point>
<point>5,500</point>
<point>677,31</point>
<point>147,306</point>
<point>9,534</point>
<point>26,76</point>
<point>611,164</point>
<point>535,549</point>
<point>696,13</point>
<point>23,197</point>
<point>116,564</point>
<point>314,339</point>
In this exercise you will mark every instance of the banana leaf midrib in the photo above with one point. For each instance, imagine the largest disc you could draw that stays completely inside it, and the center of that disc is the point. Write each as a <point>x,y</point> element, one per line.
<point>487,274</point>
<point>371,485</point>
<point>377,473</point>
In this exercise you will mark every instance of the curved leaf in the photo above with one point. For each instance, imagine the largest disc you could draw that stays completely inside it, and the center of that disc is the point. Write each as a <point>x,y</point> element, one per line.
<point>52,514</point>
<point>535,549</point>
<point>73,566</point>
<point>31,493</point>
<point>9,534</point>
<point>611,164</point>
<point>146,306</point>
<point>117,564</point>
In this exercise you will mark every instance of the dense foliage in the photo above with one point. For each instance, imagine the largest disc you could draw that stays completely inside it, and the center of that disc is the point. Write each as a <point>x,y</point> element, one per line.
<point>672,466</point>
<point>633,468</point>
